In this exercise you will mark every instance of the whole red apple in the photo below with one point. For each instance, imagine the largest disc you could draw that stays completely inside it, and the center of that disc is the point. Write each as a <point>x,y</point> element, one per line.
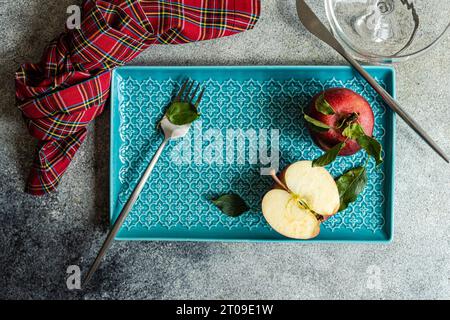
<point>347,106</point>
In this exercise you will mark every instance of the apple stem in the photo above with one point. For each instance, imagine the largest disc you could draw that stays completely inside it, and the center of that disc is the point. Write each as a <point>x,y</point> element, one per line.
<point>278,181</point>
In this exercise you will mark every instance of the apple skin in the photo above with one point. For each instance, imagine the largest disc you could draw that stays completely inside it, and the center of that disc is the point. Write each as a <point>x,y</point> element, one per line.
<point>344,102</point>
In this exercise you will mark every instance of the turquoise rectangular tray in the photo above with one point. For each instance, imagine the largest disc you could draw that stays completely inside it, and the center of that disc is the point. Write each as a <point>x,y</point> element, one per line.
<point>175,202</point>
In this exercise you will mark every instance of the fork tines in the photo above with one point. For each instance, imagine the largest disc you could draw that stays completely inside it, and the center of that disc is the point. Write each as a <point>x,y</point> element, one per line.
<point>187,95</point>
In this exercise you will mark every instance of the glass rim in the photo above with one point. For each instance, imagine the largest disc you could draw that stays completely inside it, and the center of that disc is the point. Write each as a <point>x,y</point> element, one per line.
<point>366,56</point>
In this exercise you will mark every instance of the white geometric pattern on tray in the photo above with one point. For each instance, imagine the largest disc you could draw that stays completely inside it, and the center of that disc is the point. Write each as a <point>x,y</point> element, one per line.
<point>177,194</point>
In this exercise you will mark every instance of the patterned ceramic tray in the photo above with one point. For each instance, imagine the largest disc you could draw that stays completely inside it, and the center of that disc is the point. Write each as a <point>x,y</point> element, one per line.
<point>240,102</point>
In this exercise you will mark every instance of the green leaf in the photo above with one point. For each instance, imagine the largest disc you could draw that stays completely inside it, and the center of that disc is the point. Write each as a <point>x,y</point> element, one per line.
<point>329,156</point>
<point>181,113</point>
<point>316,124</point>
<point>372,147</point>
<point>323,106</point>
<point>348,120</point>
<point>350,185</point>
<point>231,204</point>
<point>353,131</point>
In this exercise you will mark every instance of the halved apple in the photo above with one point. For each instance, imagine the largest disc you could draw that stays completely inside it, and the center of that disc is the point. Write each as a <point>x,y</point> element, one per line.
<point>308,195</point>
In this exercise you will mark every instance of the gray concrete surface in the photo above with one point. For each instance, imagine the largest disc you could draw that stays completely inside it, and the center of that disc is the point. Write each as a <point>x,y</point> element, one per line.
<point>40,237</point>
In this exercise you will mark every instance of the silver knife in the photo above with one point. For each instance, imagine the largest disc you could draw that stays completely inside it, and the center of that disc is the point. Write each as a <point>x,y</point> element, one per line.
<point>311,22</point>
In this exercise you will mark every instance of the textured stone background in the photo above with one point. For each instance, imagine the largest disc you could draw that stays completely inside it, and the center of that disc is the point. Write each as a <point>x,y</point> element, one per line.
<point>40,237</point>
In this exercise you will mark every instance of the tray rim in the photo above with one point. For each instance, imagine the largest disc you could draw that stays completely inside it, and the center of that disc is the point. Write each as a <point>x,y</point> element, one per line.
<point>392,124</point>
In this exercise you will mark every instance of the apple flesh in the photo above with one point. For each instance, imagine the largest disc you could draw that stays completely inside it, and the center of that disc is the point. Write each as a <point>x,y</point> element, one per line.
<point>286,217</point>
<point>307,195</point>
<point>345,103</point>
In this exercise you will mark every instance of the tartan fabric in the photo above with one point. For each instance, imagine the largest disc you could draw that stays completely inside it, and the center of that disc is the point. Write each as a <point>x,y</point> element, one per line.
<point>62,94</point>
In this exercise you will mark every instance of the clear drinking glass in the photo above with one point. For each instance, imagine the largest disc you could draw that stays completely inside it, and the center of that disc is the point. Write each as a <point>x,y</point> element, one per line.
<point>385,31</point>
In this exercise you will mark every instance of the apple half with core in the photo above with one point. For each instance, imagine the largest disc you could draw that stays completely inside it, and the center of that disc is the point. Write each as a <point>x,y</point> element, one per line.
<point>307,196</point>
<point>333,110</point>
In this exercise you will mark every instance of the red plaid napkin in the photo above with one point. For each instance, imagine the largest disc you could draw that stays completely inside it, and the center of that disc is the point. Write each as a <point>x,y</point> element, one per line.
<point>63,93</point>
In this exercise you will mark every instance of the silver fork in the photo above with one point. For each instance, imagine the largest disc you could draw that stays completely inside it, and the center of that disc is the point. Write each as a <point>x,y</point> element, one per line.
<point>171,131</point>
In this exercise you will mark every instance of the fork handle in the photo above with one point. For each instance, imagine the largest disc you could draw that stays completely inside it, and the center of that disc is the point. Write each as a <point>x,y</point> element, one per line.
<point>124,213</point>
